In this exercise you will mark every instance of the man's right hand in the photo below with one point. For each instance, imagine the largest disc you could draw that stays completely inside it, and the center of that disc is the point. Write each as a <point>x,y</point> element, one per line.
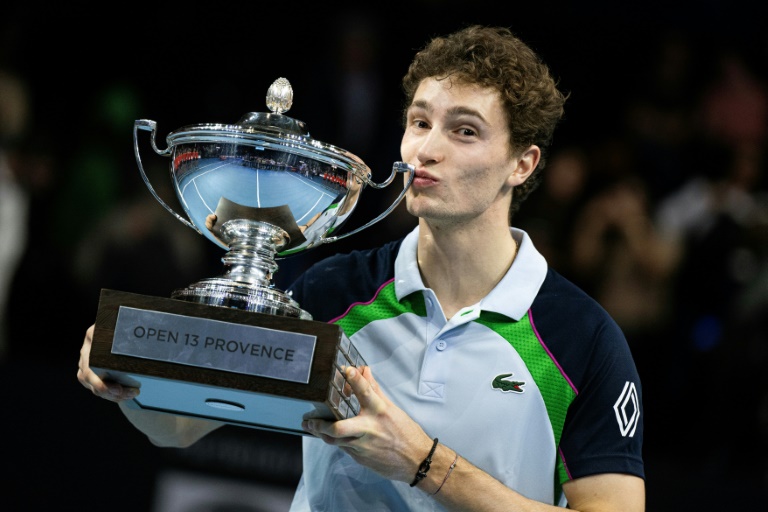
<point>107,390</point>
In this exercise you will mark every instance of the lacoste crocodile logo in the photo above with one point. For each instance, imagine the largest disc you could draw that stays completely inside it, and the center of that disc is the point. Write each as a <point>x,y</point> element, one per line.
<point>504,385</point>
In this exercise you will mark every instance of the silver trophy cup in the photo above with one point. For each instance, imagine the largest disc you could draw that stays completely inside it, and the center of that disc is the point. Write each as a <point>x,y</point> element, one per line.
<point>234,347</point>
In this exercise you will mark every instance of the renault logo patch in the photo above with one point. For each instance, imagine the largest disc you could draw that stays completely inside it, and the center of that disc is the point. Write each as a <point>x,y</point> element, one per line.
<point>627,409</point>
<point>515,386</point>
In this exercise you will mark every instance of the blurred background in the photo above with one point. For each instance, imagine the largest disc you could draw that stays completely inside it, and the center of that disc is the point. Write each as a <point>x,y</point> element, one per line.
<point>655,201</point>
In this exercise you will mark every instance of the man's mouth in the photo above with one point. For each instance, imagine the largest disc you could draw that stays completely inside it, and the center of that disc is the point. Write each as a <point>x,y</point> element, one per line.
<point>422,178</point>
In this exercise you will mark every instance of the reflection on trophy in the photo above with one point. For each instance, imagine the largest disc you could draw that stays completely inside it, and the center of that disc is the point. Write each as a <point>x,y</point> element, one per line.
<point>234,347</point>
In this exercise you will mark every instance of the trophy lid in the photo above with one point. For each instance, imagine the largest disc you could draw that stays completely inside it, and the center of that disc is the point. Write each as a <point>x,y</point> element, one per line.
<point>272,130</point>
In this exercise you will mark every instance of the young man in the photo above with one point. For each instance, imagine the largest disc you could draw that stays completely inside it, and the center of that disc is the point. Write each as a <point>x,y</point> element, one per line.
<point>498,384</point>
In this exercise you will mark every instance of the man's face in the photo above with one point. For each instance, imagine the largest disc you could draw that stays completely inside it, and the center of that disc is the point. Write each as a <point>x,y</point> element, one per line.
<point>456,136</point>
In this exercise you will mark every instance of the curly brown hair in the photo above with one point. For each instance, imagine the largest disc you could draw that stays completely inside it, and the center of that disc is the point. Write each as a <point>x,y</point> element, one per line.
<point>494,57</point>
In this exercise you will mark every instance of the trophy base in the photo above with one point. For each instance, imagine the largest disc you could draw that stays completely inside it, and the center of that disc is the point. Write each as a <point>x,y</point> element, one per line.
<point>223,292</point>
<point>225,380</point>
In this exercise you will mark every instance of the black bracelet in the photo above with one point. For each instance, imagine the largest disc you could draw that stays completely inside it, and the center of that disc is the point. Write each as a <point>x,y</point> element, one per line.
<point>422,472</point>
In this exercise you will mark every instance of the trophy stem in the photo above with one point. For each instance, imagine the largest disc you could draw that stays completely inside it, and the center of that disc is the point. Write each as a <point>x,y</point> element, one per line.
<point>249,266</point>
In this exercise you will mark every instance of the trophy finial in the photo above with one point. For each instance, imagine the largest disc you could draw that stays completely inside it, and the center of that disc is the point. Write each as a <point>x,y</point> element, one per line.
<point>280,96</point>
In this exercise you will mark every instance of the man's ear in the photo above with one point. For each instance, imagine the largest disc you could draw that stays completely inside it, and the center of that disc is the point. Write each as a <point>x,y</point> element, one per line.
<point>526,164</point>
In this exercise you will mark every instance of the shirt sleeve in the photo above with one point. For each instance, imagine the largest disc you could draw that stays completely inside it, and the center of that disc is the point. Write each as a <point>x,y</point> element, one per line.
<point>603,431</point>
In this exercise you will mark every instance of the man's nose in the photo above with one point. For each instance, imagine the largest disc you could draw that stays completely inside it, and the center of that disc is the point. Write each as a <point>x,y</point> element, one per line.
<point>431,147</point>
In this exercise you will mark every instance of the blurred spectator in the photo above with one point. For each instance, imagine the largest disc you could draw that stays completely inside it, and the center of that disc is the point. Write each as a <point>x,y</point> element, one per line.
<point>659,114</point>
<point>720,221</point>
<point>621,258</point>
<point>101,170</point>
<point>734,108</point>
<point>14,200</point>
<point>140,247</point>
<point>710,217</point>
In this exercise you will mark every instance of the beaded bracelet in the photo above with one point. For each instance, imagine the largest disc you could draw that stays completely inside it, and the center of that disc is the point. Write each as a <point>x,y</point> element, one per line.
<point>453,465</point>
<point>422,472</point>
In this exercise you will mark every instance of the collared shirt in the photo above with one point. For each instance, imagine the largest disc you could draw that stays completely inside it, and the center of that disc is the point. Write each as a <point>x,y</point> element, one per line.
<point>534,384</point>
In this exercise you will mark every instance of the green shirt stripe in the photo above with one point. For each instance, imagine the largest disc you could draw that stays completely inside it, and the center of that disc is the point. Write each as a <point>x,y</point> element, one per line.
<point>555,389</point>
<point>384,306</point>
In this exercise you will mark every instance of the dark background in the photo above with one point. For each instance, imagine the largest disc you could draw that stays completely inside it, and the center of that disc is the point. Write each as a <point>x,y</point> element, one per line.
<point>90,72</point>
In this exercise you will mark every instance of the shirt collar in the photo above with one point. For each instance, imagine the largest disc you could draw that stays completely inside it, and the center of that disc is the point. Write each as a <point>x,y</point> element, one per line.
<point>513,295</point>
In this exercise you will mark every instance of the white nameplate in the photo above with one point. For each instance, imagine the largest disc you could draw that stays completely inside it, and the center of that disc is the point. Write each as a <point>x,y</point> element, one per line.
<point>214,344</point>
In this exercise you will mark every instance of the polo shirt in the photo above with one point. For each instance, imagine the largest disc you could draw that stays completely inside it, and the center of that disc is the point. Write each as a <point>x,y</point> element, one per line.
<point>535,384</point>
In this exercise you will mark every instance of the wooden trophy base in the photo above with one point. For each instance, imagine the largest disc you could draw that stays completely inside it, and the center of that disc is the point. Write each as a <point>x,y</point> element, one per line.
<point>250,369</point>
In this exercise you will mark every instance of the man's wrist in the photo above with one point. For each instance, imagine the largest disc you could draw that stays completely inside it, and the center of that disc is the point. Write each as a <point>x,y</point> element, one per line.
<point>442,463</point>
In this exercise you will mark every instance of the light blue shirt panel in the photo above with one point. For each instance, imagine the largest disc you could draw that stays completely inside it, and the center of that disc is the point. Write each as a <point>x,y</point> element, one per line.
<point>440,390</point>
<point>430,369</point>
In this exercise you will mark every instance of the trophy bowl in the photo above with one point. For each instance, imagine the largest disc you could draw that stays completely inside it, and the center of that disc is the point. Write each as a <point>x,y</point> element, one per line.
<point>261,189</point>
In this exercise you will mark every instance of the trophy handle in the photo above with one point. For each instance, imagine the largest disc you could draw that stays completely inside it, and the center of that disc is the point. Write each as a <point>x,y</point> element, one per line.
<point>397,167</point>
<point>151,126</point>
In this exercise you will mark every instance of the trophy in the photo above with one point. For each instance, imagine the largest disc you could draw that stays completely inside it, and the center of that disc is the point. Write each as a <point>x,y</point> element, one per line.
<point>235,348</point>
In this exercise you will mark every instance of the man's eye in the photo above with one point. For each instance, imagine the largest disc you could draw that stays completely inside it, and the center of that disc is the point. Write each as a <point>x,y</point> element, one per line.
<point>467,132</point>
<point>421,124</point>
